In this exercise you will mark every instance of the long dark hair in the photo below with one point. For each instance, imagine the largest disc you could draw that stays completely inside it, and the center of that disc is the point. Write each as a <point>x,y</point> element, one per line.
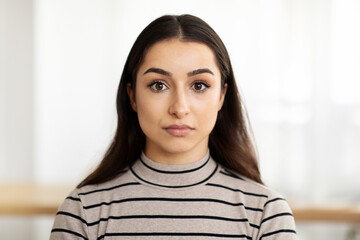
<point>229,142</point>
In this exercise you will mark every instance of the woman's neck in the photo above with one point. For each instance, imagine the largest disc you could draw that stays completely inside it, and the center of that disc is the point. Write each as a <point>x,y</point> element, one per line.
<point>175,158</point>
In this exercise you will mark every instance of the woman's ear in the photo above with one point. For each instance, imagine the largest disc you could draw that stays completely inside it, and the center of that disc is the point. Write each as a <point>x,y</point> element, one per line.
<point>222,96</point>
<point>131,95</point>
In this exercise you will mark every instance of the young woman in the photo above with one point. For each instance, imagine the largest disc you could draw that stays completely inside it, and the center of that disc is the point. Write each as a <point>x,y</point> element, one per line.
<point>182,164</point>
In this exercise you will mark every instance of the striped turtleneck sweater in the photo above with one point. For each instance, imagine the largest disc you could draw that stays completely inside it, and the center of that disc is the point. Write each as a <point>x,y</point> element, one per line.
<point>200,200</point>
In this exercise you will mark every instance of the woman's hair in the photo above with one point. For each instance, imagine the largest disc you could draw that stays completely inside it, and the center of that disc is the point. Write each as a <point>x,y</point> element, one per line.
<point>229,142</point>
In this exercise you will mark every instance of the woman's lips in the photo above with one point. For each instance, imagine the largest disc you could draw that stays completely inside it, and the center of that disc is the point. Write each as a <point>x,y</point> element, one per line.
<point>178,130</point>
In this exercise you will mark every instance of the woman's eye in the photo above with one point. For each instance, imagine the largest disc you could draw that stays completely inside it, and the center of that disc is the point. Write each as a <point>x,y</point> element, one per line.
<point>158,86</point>
<point>199,86</point>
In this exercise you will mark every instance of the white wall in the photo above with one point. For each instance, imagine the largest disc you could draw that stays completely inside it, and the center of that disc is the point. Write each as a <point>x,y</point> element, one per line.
<point>16,90</point>
<point>77,71</point>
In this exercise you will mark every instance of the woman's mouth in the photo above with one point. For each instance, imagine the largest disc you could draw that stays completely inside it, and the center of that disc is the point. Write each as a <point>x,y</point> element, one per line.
<point>178,130</point>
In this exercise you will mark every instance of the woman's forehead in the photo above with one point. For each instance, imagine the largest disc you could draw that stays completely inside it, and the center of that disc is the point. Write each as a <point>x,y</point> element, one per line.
<point>174,55</point>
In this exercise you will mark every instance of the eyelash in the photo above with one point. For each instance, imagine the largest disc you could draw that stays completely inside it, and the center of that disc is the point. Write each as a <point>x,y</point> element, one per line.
<point>203,84</point>
<point>153,84</point>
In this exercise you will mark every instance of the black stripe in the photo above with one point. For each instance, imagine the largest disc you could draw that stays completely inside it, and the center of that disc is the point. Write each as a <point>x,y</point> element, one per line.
<point>230,174</point>
<point>237,190</point>
<point>111,188</point>
<point>174,172</point>
<point>255,226</point>
<point>276,232</point>
<point>71,215</point>
<point>68,231</point>
<point>183,186</point>
<point>274,200</point>
<point>168,217</point>
<point>175,234</point>
<point>74,199</point>
<point>158,217</point>
<point>234,174</point>
<point>254,209</point>
<point>170,200</point>
<point>275,216</point>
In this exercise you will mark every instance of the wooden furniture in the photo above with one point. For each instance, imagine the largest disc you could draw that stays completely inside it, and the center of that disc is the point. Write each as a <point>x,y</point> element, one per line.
<point>31,200</point>
<point>341,213</point>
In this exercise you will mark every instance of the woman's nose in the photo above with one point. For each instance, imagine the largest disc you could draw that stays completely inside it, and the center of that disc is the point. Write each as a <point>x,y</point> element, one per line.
<point>180,105</point>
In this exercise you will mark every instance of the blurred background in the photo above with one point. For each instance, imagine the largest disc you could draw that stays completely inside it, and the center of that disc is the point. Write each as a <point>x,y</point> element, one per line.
<point>297,64</point>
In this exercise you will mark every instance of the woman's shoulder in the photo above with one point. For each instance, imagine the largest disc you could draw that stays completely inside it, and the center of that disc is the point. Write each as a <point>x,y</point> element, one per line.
<point>123,179</point>
<point>274,216</point>
<point>249,191</point>
<point>80,207</point>
<point>232,179</point>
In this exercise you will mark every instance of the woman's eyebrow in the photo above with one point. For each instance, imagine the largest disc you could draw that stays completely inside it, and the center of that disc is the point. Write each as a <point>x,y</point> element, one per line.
<point>159,71</point>
<point>199,71</point>
<point>169,74</point>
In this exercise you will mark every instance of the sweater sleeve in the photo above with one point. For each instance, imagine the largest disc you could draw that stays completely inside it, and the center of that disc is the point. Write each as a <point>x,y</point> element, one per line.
<point>277,222</point>
<point>70,221</point>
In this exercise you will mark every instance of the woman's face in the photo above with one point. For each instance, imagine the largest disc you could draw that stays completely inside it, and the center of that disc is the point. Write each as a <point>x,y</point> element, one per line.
<point>177,98</point>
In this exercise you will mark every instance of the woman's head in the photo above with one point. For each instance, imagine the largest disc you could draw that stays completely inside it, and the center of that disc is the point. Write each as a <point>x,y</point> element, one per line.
<point>229,140</point>
<point>177,97</point>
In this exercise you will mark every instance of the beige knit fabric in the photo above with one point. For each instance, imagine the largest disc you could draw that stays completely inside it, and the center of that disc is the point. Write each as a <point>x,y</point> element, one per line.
<point>201,200</point>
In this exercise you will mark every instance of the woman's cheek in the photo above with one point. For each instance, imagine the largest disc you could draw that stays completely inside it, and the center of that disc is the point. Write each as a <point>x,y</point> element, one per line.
<point>150,111</point>
<point>206,112</point>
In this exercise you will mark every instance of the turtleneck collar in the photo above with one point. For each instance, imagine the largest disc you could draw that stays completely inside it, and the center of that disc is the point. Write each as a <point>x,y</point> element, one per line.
<point>174,176</point>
